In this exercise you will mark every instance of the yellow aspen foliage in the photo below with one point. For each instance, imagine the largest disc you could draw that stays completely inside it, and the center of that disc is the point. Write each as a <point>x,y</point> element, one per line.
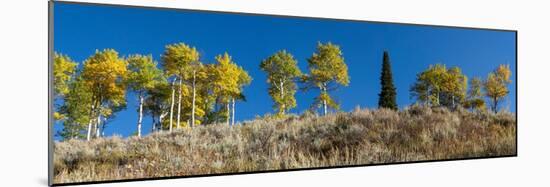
<point>228,81</point>
<point>439,85</point>
<point>496,85</point>
<point>282,71</point>
<point>104,74</point>
<point>63,71</point>
<point>327,71</point>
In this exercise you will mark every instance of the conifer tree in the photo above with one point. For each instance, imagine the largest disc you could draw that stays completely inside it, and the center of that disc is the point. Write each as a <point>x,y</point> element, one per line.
<point>387,96</point>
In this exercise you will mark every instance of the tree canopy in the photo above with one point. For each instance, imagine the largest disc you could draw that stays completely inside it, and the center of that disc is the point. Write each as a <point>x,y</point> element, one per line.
<point>327,71</point>
<point>183,90</point>
<point>282,71</point>
<point>143,75</point>
<point>496,85</point>
<point>64,71</point>
<point>104,73</point>
<point>475,95</point>
<point>439,86</point>
<point>228,82</point>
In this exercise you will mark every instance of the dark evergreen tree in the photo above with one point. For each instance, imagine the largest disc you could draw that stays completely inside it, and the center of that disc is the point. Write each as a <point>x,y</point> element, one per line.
<point>387,96</point>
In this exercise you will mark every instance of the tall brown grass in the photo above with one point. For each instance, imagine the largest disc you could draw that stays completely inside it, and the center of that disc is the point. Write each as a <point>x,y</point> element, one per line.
<point>359,137</point>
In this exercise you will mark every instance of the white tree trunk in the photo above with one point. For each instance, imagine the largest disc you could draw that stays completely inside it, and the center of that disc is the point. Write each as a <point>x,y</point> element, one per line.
<point>324,90</point>
<point>227,120</point>
<point>172,104</point>
<point>159,126</point>
<point>282,88</point>
<point>161,117</point>
<point>428,99</point>
<point>233,112</point>
<point>102,129</point>
<point>89,130</point>
<point>325,107</point>
<point>438,103</point>
<point>153,123</point>
<point>140,117</point>
<point>179,105</point>
<point>97,130</point>
<point>453,101</point>
<point>193,105</point>
<point>90,123</point>
<point>496,105</point>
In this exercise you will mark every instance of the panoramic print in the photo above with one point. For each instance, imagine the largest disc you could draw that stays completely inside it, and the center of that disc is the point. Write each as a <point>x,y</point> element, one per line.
<point>143,93</point>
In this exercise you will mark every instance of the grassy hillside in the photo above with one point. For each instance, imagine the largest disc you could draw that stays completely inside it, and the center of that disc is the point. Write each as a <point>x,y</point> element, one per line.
<point>359,137</point>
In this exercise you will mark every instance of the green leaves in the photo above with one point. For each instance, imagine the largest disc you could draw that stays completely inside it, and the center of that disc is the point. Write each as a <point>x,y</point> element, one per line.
<point>327,65</point>
<point>64,72</point>
<point>327,71</point>
<point>474,99</point>
<point>325,98</point>
<point>448,87</point>
<point>143,73</point>
<point>75,110</point>
<point>440,86</point>
<point>282,71</point>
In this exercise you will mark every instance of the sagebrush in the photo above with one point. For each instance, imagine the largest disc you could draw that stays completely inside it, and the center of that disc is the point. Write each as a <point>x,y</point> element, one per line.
<point>355,138</point>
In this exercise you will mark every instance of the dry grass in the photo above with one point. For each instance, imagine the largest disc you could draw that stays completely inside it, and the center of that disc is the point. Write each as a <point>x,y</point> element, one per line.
<point>359,137</point>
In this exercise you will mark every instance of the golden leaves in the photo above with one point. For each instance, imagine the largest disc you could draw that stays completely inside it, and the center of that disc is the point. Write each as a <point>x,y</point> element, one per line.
<point>497,81</point>
<point>228,77</point>
<point>177,58</point>
<point>104,72</point>
<point>63,70</point>
<point>327,64</point>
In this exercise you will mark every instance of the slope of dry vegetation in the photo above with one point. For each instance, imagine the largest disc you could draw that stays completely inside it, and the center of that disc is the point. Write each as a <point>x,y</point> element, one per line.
<point>359,137</point>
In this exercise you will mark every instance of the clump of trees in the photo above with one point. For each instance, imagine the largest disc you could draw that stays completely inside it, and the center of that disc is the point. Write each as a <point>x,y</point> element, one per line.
<point>327,72</point>
<point>181,62</point>
<point>88,97</point>
<point>442,86</point>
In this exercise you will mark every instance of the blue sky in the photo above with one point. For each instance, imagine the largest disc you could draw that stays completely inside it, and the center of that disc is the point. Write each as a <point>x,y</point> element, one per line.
<point>81,29</point>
